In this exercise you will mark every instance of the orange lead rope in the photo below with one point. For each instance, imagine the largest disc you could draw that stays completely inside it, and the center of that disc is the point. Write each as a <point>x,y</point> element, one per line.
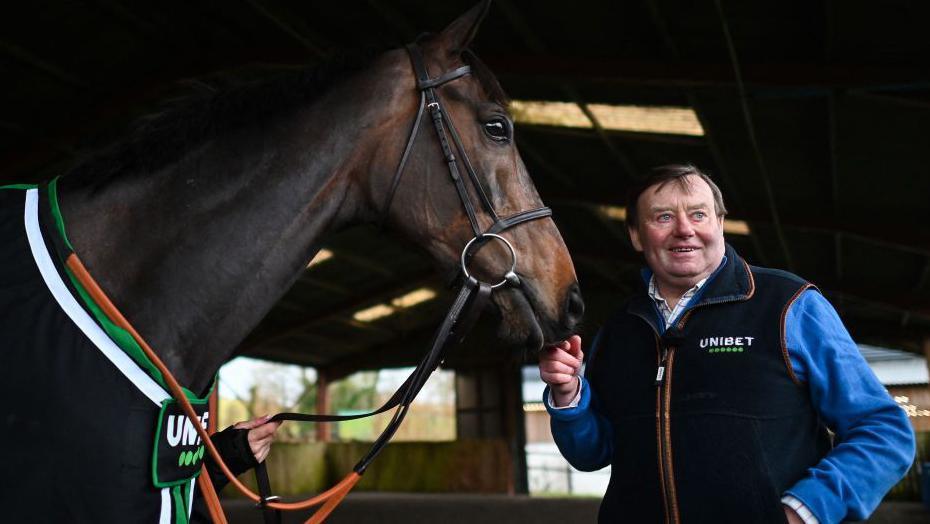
<point>330,497</point>
<point>206,484</point>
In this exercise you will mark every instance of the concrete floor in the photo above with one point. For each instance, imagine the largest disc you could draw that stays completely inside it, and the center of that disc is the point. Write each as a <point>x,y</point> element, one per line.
<point>415,508</point>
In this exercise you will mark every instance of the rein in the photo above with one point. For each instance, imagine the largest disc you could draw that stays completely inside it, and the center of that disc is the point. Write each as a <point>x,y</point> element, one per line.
<point>465,310</point>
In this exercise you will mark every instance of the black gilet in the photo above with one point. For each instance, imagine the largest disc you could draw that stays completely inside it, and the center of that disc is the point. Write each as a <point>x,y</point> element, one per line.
<point>728,427</point>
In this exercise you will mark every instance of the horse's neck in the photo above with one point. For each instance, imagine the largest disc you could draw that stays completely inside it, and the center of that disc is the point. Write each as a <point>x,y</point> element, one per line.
<point>197,253</point>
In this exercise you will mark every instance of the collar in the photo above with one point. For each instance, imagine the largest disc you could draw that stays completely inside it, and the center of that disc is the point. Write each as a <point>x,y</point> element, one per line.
<point>653,288</point>
<point>732,281</point>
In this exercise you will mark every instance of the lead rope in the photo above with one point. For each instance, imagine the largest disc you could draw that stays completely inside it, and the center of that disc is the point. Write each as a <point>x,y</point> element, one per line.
<point>462,315</point>
<point>271,516</point>
<point>473,294</point>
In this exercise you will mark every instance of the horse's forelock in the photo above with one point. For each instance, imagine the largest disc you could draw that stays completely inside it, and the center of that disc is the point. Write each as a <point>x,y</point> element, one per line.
<point>486,78</point>
<point>479,70</point>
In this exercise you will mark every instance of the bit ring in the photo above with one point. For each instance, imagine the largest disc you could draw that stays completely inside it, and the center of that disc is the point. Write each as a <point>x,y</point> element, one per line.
<point>510,277</point>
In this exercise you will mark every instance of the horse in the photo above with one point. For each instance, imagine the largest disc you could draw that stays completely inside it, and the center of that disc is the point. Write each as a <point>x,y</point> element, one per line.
<point>200,220</point>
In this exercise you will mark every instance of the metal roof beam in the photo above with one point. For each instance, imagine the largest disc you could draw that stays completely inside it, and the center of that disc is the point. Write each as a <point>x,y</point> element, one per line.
<point>834,181</point>
<point>396,353</point>
<point>618,155</point>
<point>394,19</point>
<point>25,57</point>
<point>917,305</point>
<point>535,44</point>
<point>889,99</point>
<point>709,134</point>
<point>519,25</point>
<point>632,136</point>
<point>810,79</point>
<point>912,240</point>
<point>754,140</point>
<point>531,152</point>
<point>305,41</point>
<point>338,312</point>
<point>924,278</point>
<point>887,334</point>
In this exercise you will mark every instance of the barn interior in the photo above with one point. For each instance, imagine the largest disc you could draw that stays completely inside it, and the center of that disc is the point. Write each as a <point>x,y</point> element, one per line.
<point>809,115</point>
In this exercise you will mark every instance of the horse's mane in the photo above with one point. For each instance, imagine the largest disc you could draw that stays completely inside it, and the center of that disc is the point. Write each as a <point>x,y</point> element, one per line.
<point>209,105</point>
<point>225,102</point>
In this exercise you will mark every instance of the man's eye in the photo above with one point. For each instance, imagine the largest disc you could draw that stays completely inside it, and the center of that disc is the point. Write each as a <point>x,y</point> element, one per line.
<point>664,217</point>
<point>498,129</point>
<point>700,215</point>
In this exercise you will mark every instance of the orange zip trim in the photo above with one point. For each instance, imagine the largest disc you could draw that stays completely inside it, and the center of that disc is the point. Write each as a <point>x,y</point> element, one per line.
<point>659,438</point>
<point>668,438</point>
<point>664,430</point>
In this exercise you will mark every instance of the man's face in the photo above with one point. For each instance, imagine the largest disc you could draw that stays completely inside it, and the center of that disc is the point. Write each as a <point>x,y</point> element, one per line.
<point>679,233</point>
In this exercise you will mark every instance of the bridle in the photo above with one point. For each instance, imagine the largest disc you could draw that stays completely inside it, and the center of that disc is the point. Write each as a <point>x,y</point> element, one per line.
<point>464,311</point>
<point>430,100</point>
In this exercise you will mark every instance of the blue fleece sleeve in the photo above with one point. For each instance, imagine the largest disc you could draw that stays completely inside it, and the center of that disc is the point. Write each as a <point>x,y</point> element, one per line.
<point>581,433</point>
<point>874,445</point>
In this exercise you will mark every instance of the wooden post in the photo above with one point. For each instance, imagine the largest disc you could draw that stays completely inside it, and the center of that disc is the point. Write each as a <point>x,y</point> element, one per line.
<point>927,353</point>
<point>322,406</point>
<point>471,405</point>
<point>927,356</point>
<point>514,425</point>
<point>214,409</point>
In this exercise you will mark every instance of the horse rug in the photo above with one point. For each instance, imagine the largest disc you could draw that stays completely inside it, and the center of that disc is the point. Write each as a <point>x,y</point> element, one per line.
<point>89,433</point>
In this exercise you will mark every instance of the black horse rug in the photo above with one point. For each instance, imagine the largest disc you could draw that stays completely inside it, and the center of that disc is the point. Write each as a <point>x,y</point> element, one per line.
<point>89,432</point>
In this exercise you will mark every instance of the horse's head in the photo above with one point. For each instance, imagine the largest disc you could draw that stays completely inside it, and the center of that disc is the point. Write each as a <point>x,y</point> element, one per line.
<point>427,208</point>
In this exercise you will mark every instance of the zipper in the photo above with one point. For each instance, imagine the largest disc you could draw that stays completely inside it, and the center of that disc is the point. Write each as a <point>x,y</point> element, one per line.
<point>663,382</point>
<point>660,372</point>
<point>666,354</point>
<point>664,393</point>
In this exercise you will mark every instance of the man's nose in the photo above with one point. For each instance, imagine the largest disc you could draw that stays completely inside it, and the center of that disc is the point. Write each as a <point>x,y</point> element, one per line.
<point>683,226</point>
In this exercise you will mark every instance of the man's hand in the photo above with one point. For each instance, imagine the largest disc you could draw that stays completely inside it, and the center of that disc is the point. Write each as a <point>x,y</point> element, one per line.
<point>261,434</point>
<point>559,366</point>
<point>792,516</point>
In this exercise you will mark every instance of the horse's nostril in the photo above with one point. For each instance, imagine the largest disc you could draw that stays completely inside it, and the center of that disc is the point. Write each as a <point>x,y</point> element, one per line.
<point>574,306</point>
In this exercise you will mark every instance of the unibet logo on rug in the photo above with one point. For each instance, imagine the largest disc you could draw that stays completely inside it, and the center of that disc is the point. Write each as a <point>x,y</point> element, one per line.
<point>181,434</point>
<point>179,451</point>
<point>726,344</point>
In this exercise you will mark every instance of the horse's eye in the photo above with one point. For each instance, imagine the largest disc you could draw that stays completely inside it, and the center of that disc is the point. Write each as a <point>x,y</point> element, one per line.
<point>498,129</point>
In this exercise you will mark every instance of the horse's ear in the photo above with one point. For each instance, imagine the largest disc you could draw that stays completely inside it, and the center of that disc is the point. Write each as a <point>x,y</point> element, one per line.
<point>460,32</point>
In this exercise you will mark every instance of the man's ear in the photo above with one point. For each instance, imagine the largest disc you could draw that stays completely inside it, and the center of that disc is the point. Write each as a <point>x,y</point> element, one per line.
<point>634,238</point>
<point>456,37</point>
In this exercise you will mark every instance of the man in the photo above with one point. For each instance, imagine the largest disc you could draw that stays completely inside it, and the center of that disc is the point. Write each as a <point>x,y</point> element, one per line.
<point>711,390</point>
